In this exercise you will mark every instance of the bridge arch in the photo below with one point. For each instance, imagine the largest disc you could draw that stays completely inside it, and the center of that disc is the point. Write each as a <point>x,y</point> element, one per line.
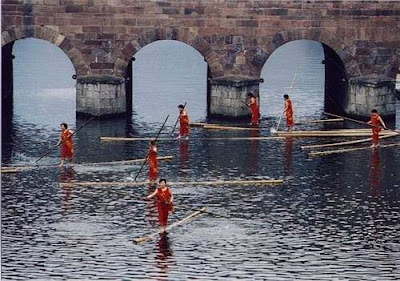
<point>169,33</point>
<point>50,35</point>
<point>258,54</point>
<point>339,62</point>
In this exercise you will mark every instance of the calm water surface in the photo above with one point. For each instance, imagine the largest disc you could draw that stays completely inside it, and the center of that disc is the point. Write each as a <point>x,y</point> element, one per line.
<point>334,218</point>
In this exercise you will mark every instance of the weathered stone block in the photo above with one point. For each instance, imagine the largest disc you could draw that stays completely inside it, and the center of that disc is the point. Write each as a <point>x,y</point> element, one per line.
<point>370,92</point>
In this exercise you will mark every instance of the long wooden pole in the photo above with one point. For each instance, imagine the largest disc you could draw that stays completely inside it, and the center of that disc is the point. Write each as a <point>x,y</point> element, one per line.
<point>357,121</point>
<point>322,153</point>
<point>215,127</point>
<point>305,147</point>
<point>315,135</point>
<point>54,147</point>
<point>185,219</point>
<point>177,119</point>
<point>147,156</point>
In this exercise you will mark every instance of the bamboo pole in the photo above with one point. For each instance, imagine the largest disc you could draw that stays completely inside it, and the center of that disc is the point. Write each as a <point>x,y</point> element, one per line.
<point>133,161</point>
<point>124,161</point>
<point>170,139</point>
<point>214,127</point>
<point>344,142</point>
<point>175,224</point>
<point>326,120</point>
<point>335,134</point>
<point>322,153</point>
<point>5,171</point>
<point>220,182</point>
<point>194,124</point>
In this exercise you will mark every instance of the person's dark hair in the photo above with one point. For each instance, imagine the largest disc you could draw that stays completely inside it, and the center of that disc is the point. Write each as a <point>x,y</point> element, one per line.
<point>374,111</point>
<point>164,180</point>
<point>65,125</point>
<point>250,94</point>
<point>285,96</point>
<point>153,142</point>
<point>180,106</point>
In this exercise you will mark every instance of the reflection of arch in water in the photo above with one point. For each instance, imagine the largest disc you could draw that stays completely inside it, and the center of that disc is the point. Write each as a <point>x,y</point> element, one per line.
<point>317,73</point>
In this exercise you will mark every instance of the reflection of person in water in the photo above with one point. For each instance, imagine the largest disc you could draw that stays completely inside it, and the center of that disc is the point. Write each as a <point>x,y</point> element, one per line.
<point>375,173</point>
<point>67,175</point>
<point>288,162</point>
<point>184,155</point>
<point>164,254</point>
<point>254,148</point>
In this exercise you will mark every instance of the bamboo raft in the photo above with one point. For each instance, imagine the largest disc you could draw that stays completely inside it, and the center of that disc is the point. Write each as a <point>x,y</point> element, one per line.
<point>331,133</point>
<point>172,139</point>
<point>326,120</point>
<point>215,127</point>
<point>212,183</point>
<point>305,147</point>
<point>122,162</point>
<point>328,152</point>
<point>175,224</point>
<point>11,171</point>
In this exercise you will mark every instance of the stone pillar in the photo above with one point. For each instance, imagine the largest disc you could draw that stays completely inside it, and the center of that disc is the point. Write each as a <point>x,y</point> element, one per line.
<point>369,92</point>
<point>100,96</point>
<point>227,94</point>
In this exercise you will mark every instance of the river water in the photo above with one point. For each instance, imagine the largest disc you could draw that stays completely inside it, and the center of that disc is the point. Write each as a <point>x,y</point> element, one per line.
<point>334,218</point>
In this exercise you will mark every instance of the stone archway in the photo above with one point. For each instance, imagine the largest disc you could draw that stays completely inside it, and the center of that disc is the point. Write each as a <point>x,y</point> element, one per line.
<point>258,55</point>
<point>168,33</point>
<point>49,35</point>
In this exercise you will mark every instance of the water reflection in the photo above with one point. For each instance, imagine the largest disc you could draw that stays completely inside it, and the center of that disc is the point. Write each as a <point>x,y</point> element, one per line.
<point>67,176</point>
<point>164,255</point>
<point>375,173</point>
<point>254,148</point>
<point>288,158</point>
<point>184,155</point>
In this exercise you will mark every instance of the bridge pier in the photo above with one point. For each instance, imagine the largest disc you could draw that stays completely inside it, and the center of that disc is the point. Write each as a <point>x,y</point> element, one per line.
<point>227,94</point>
<point>101,96</point>
<point>368,92</point>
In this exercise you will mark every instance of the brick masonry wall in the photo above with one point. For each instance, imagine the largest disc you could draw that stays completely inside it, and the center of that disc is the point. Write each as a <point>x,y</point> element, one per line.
<point>236,37</point>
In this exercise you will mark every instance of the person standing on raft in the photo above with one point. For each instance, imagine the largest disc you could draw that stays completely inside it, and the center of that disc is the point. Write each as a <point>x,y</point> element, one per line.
<point>67,144</point>
<point>255,112</point>
<point>376,121</point>
<point>183,123</point>
<point>153,163</point>
<point>288,111</point>
<point>164,203</point>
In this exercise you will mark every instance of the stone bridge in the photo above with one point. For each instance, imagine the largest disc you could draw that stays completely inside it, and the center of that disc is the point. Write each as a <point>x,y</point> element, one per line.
<point>361,41</point>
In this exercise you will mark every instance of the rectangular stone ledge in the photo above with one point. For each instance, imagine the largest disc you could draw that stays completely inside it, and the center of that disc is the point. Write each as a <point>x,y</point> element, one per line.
<point>372,81</point>
<point>235,81</point>
<point>101,80</point>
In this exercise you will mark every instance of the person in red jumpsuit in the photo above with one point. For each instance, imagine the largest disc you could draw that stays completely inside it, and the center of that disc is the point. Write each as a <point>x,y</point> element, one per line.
<point>255,111</point>
<point>164,203</point>
<point>153,163</point>
<point>183,123</point>
<point>67,144</point>
<point>376,122</point>
<point>288,111</point>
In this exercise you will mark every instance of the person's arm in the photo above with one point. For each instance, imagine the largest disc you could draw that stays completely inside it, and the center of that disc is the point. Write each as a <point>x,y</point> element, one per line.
<point>152,195</point>
<point>59,141</point>
<point>381,121</point>
<point>172,197</point>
